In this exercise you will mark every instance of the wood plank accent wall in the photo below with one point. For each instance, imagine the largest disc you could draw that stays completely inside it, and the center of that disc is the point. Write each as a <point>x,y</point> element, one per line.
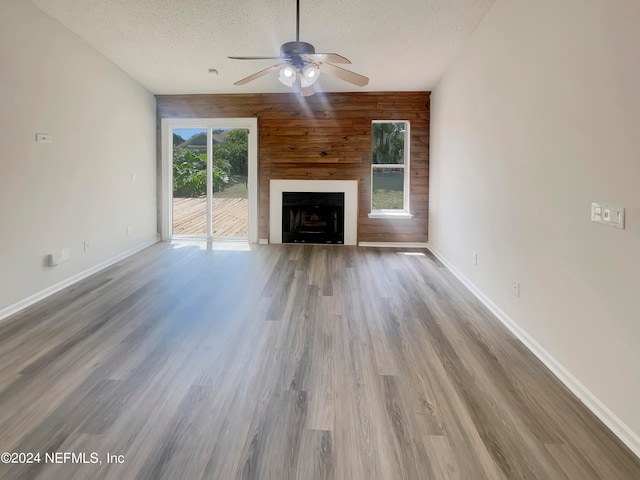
<point>325,136</point>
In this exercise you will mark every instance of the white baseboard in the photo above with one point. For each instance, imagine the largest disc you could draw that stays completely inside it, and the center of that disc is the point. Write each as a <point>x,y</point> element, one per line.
<point>394,244</point>
<point>42,294</point>
<point>630,438</point>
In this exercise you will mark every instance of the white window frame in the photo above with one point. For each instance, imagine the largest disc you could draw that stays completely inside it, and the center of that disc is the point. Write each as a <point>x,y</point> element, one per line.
<point>396,212</point>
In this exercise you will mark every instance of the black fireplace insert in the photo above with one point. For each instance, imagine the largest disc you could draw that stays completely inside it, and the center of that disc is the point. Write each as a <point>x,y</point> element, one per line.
<point>312,217</point>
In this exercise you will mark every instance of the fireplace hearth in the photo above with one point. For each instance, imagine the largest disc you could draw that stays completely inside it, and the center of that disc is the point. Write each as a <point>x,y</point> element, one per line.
<point>313,217</point>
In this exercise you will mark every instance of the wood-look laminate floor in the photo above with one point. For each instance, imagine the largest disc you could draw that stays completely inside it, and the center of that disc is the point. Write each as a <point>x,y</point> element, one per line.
<point>286,362</point>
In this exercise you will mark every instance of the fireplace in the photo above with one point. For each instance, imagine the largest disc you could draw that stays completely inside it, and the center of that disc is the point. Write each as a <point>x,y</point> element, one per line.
<point>348,190</point>
<point>312,217</point>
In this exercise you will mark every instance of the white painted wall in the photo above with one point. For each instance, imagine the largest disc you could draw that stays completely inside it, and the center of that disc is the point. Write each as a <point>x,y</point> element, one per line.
<point>55,196</point>
<point>538,117</point>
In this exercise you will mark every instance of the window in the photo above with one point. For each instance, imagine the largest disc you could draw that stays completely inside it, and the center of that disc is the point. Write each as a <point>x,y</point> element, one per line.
<point>390,169</point>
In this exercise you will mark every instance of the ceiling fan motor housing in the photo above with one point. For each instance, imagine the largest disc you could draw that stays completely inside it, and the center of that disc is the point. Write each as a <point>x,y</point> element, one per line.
<point>293,50</point>
<point>300,65</point>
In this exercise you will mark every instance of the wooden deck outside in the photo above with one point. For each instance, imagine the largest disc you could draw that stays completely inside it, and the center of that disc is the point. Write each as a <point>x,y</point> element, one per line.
<point>230,217</point>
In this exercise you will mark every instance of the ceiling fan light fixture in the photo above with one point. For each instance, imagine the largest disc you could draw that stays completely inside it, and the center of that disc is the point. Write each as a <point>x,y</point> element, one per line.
<point>287,75</point>
<point>310,74</point>
<point>299,65</point>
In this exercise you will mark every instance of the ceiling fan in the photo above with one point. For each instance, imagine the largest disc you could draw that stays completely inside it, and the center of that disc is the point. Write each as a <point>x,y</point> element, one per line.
<point>300,66</point>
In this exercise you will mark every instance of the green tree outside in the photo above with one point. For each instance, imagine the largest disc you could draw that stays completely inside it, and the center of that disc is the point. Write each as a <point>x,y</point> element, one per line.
<point>234,149</point>
<point>189,173</point>
<point>387,142</point>
<point>229,164</point>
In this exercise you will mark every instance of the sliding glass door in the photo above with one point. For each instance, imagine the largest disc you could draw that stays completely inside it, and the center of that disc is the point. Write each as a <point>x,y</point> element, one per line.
<point>229,186</point>
<point>189,166</point>
<point>209,172</point>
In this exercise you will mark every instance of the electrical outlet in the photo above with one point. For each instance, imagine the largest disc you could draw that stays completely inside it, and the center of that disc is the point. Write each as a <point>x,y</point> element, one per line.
<point>474,257</point>
<point>515,288</point>
<point>53,259</point>
<point>86,246</point>
<point>65,255</point>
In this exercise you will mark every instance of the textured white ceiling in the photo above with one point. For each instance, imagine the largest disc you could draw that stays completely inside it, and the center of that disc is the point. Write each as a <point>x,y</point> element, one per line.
<point>169,45</point>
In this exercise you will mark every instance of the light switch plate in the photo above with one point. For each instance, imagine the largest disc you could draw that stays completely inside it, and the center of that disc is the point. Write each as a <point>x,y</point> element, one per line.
<point>44,138</point>
<point>607,214</point>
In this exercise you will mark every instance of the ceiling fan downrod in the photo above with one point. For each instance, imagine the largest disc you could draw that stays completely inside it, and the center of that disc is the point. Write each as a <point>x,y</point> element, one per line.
<point>297,48</point>
<point>300,65</point>
<point>297,20</point>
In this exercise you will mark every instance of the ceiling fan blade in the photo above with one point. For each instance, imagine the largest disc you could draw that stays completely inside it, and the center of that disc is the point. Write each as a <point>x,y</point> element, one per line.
<point>255,58</point>
<point>343,74</point>
<point>326,57</point>
<point>261,73</point>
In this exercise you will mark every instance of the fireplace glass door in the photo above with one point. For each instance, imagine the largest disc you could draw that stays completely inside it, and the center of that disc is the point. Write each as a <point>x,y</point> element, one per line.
<point>312,217</point>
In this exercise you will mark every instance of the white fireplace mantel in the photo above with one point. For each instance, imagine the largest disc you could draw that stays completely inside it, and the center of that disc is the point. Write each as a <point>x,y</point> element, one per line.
<point>348,187</point>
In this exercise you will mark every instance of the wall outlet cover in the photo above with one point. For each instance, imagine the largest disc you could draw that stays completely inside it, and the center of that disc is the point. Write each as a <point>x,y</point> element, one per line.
<point>54,259</point>
<point>515,288</point>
